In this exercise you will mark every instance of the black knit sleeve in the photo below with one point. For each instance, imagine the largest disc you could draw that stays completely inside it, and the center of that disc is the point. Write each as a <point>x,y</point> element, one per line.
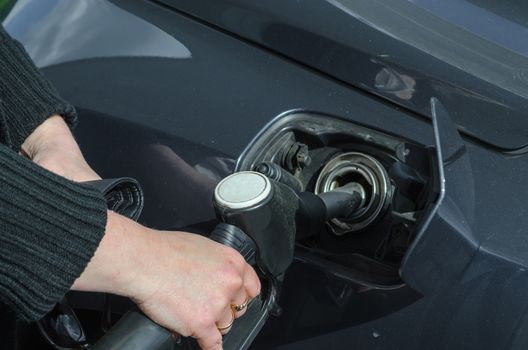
<point>50,228</point>
<point>26,96</point>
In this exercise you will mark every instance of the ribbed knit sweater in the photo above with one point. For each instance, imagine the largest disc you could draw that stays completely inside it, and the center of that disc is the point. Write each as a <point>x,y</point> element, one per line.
<point>50,227</point>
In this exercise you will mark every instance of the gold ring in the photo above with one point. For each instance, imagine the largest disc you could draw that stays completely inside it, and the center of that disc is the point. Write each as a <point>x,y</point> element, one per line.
<point>224,328</point>
<point>240,307</point>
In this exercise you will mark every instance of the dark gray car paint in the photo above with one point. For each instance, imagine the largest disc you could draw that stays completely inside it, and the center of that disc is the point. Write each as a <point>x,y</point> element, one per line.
<point>178,125</point>
<point>482,85</point>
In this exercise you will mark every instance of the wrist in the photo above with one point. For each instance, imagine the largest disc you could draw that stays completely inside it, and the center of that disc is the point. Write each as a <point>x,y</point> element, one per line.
<point>52,131</point>
<point>116,267</point>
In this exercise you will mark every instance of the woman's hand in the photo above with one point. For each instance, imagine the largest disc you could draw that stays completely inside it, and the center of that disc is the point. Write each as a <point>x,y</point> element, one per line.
<point>53,147</point>
<point>184,282</point>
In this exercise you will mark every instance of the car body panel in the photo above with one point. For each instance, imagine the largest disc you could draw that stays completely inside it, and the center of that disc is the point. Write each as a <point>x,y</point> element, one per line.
<point>405,51</point>
<point>178,124</point>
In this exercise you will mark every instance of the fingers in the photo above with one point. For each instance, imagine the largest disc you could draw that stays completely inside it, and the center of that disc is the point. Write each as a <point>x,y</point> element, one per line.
<point>210,338</point>
<point>213,278</point>
<point>251,282</point>
<point>225,323</point>
<point>240,302</point>
<point>213,338</point>
<point>249,291</point>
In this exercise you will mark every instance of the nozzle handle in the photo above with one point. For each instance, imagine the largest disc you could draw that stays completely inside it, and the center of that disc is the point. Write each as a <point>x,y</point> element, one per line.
<point>235,238</point>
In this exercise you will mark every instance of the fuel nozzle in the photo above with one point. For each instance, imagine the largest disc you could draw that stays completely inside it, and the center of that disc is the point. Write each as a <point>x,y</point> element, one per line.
<point>316,210</point>
<point>263,209</point>
<point>344,202</point>
<point>272,215</point>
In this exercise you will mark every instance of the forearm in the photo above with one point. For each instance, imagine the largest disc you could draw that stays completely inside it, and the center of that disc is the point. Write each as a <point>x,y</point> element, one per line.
<point>115,265</point>
<point>52,146</point>
<point>51,133</point>
<point>50,228</point>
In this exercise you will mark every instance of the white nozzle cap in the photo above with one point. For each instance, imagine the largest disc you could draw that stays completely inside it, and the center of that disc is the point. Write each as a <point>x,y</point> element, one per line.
<point>242,190</point>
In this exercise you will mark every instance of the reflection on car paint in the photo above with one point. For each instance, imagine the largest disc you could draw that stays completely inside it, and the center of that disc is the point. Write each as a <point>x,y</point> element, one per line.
<point>92,29</point>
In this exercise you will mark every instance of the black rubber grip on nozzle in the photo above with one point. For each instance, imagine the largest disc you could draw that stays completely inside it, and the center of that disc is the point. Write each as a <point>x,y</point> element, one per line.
<point>235,238</point>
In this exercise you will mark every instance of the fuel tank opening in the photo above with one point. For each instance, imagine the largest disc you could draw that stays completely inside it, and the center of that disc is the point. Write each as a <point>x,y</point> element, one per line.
<point>360,168</point>
<point>375,188</point>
